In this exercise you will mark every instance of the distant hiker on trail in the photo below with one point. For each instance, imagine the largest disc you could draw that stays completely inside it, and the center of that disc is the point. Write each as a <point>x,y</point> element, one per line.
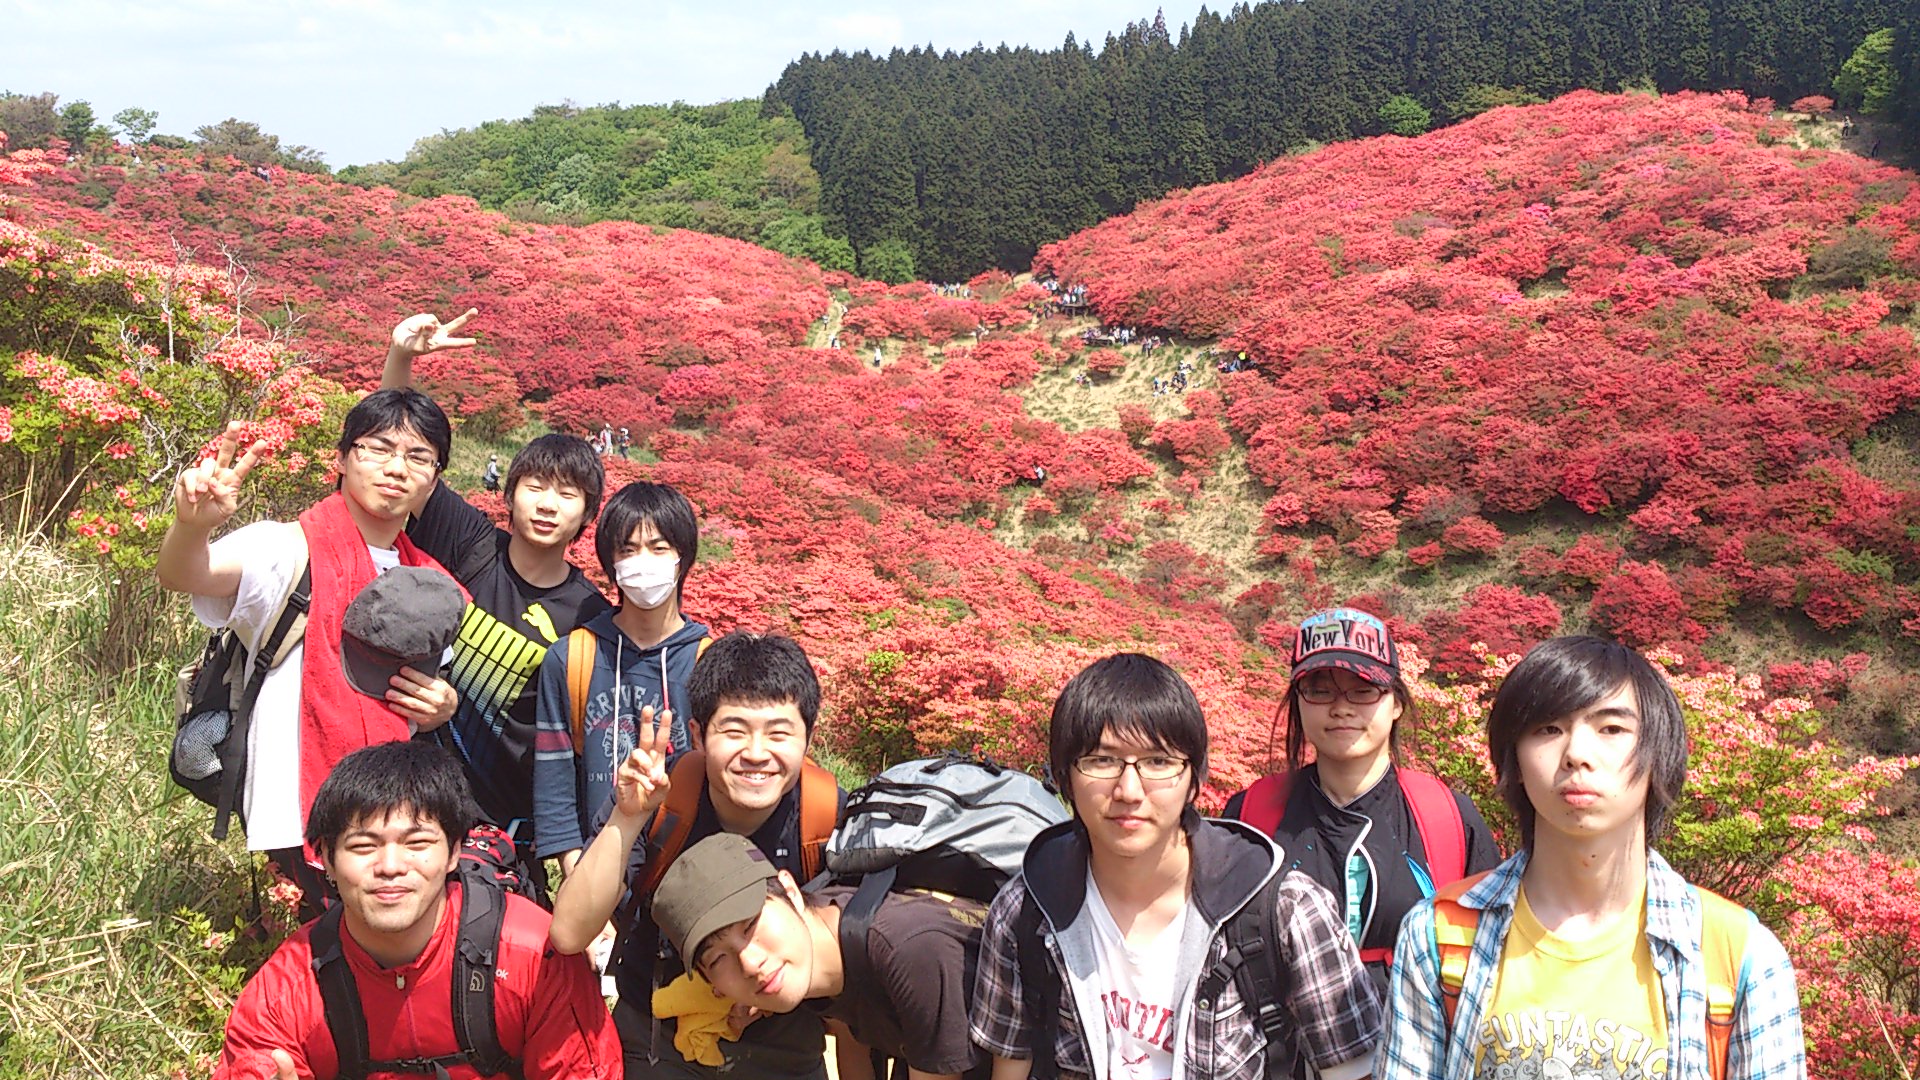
<point>598,684</point>
<point>1039,474</point>
<point>1237,966</point>
<point>1587,930</point>
<point>625,443</point>
<point>307,717</point>
<point>751,705</point>
<point>1378,837</point>
<point>605,440</point>
<point>491,478</point>
<point>387,824</point>
<point>526,595</point>
<point>877,356</point>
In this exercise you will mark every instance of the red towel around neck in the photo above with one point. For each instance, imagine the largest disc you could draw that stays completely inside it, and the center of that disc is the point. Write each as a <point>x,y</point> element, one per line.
<point>335,719</point>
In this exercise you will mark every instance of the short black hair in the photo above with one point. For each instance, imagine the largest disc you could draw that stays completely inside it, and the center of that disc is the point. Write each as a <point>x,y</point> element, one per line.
<point>753,669</point>
<point>1130,694</point>
<point>641,503</point>
<point>1561,677</point>
<point>399,410</point>
<point>373,782</point>
<point>560,459</point>
<point>1297,732</point>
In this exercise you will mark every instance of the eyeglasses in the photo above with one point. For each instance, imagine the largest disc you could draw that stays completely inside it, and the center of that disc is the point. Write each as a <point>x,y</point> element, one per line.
<point>1151,767</point>
<point>419,460</point>
<point>1324,693</point>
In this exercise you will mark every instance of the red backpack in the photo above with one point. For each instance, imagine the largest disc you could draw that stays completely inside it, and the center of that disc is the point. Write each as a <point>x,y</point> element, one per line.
<point>1435,813</point>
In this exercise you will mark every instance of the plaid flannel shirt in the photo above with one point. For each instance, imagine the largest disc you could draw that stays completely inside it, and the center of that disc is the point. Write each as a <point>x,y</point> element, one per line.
<point>1335,1011</point>
<point>1766,1045</point>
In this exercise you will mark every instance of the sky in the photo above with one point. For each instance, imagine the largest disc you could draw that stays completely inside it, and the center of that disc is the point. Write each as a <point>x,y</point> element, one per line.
<point>360,80</point>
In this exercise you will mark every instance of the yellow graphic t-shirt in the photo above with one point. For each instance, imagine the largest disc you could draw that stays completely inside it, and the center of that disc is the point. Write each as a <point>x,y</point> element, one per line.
<point>1573,1010</point>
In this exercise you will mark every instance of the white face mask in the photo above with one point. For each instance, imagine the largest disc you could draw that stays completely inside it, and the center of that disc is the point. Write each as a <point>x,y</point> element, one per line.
<point>647,580</point>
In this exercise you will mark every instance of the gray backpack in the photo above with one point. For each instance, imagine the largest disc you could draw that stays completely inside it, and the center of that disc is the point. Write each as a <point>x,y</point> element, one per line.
<point>955,824</point>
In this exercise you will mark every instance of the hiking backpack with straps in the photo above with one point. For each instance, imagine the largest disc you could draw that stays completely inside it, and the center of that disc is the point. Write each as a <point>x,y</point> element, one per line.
<point>213,705</point>
<point>1436,815</point>
<point>1251,963</point>
<point>1723,943</point>
<point>955,824</point>
<point>486,874</point>
<point>582,647</point>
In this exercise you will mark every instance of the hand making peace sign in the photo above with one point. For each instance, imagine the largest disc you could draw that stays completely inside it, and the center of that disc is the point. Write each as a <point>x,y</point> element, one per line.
<point>424,333</point>
<point>641,785</point>
<point>206,495</point>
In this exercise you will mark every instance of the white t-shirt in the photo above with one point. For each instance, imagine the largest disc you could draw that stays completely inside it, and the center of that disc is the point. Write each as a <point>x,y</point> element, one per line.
<point>271,555</point>
<point>1137,988</point>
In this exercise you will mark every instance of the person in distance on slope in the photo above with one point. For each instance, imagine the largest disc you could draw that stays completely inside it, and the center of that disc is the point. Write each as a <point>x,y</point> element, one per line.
<point>1381,838</point>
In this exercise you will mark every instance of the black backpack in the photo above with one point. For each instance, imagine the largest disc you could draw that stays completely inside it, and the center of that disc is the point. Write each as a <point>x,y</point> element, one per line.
<point>213,706</point>
<point>1251,962</point>
<point>486,875</point>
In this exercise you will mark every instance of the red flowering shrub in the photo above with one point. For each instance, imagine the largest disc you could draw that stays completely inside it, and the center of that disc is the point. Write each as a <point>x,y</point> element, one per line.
<point>1136,421</point>
<point>1106,363</point>
<point>1492,619</point>
<point>1590,560</point>
<point>1812,105</point>
<point>1640,605</point>
<point>1473,535</point>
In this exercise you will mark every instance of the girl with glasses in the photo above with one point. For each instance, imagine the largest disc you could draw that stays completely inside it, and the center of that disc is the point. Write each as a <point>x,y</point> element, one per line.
<point>1379,837</point>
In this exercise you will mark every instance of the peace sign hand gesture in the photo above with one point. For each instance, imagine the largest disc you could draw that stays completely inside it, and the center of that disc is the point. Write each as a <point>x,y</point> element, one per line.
<point>641,785</point>
<point>424,333</point>
<point>206,495</point>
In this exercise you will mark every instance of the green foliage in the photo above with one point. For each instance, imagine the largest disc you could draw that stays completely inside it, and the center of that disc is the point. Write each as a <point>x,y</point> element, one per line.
<point>730,169</point>
<point>243,139</point>
<point>136,124</point>
<point>803,237</point>
<point>1867,80</point>
<point>1480,98</point>
<point>890,261</point>
<point>28,119</point>
<point>1404,115</point>
<point>76,124</point>
<point>126,933</point>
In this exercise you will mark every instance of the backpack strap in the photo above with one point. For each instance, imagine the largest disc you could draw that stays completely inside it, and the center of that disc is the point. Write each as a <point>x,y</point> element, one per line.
<point>476,963</point>
<point>819,813</point>
<point>1039,990</point>
<point>1252,961</point>
<point>1266,802</point>
<point>1723,941</point>
<point>672,823</point>
<point>856,920</point>
<point>290,623</point>
<point>339,997</point>
<point>1454,925</point>
<point>1436,813</point>
<point>582,647</point>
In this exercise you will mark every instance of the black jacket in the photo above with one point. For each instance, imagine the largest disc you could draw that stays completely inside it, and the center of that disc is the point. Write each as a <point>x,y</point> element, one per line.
<point>1318,836</point>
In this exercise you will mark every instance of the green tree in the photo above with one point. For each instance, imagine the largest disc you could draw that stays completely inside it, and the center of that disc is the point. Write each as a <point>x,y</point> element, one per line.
<point>802,236</point>
<point>1866,80</point>
<point>890,261</point>
<point>136,124</point>
<point>76,124</point>
<point>1402,115</point>
<point>28,119</point>
<point>243,139</point>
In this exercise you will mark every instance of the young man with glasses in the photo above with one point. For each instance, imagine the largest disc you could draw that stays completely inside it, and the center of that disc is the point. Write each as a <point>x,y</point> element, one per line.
<point>1113,957</point>
<point>391,450</point>
<point>526,595</point>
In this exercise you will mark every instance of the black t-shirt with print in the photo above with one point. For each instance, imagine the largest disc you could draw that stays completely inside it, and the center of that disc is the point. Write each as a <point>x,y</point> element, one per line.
<point>496,659</point>
<point>922,948</point>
